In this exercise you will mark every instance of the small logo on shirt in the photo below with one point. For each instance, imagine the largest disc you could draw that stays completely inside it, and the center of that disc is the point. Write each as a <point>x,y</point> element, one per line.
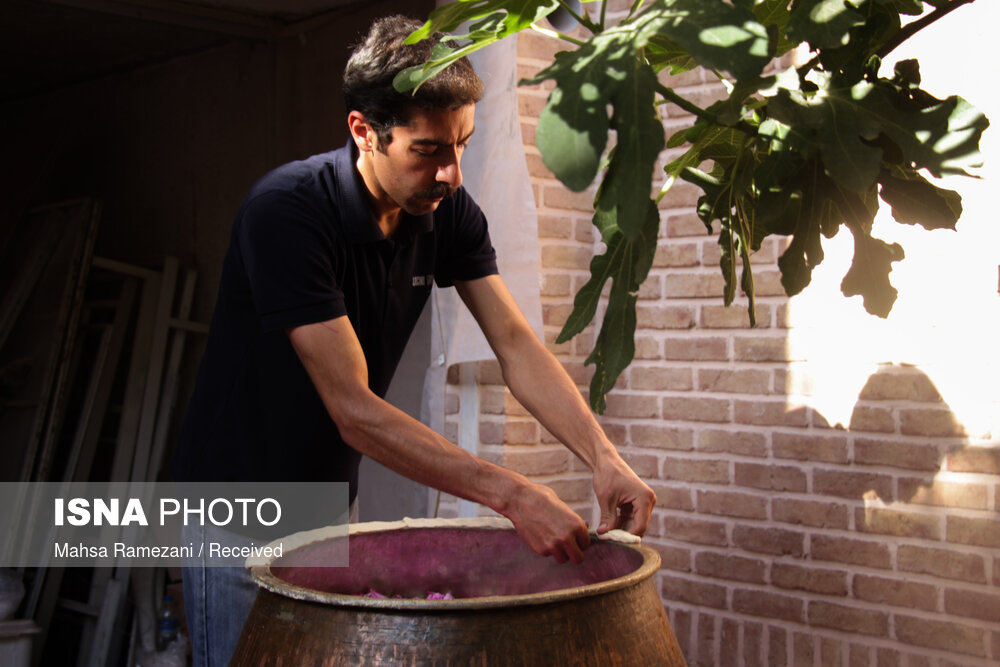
<point>422,281</point>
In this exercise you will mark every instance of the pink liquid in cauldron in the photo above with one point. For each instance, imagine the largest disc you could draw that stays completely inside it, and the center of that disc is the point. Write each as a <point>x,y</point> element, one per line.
<point>465,562</point>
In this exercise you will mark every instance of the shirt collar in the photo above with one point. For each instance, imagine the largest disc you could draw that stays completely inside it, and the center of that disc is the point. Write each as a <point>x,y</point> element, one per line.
<point>360,220</point>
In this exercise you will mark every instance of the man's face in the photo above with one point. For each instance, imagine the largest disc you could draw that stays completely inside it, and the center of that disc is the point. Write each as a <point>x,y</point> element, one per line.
<point>420,166</point>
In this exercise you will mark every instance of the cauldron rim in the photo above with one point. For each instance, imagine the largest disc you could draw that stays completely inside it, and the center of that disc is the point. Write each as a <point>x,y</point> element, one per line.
<point>262,575</point>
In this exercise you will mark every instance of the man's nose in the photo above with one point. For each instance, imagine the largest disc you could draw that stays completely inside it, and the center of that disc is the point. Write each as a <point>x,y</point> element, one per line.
<point>450,172</point>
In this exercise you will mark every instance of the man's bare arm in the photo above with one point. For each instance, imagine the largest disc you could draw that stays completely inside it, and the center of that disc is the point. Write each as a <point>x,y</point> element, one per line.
<point>545,389</point>
<point>333,357</point>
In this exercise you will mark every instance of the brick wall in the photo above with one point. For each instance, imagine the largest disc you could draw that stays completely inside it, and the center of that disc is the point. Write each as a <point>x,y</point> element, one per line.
<point>789,535</point>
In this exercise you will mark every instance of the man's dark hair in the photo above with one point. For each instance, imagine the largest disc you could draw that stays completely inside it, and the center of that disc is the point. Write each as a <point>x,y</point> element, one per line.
<point>377,60</point>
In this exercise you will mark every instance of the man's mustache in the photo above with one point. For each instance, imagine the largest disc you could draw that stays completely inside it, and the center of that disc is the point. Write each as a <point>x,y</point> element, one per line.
<point>439,191</point>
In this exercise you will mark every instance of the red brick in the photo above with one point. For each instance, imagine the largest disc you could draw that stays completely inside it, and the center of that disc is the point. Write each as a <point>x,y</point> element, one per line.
<point>743,443</point>
<point>560,197</point>
<point>695,530</point>
<point>682,624</point>
<point>675,497</point>
<point>848,619</point>
<point>734,381</point>
<point>930,421</point>
<point>686,224</point>
<point>776,541</point>
<point>854,485</point>
<point>644,465</point>
<point>809,579</point>
<point>898,524</point>
<point>753,645</point>
<point>885,657</point>
<point>518,432</point>
<point>980,532</point>
<point>737,568</point>
<point>818,514</point>
<point>830,652</point>
<point>707,638</point>
<point>681,195</point>
<point>658,317</point>
<point>945,563</point>
<point>895,592</point>
<point>809,447</point>
<point>490,433</point>
<point>897,454</point>
<point>770,477</point>
<point>696,349</point>
<point>764,604</point>
<point>632,405</point>
<point>765,282</point>
<point>847,550</point>
<point>942,635</point>
<point>565,257</point>
<point>760,348</point>
<point>696,592</point>
<point>660,378</point>
<point>661,437</point>
<point>536,46</point>
<point>734,317</point>
<point>727,503</point>
<point>675,255</point>
<point>769,413</point>
<point>671,557</point>
<point>859,656</point>
<point>696,471</point>
<point>984,606</point>
<point>900,386</point>
<point>687,285</point>
<point>572,490</point>
<point>777,646</point>
<point>729,640</point>
<point>984,460</point>
<point>872,419</point>
<point>536,461</point>
<point>647,347</point>
<point>804,649</point>
<point>696,409</point>
<point>554,226</point>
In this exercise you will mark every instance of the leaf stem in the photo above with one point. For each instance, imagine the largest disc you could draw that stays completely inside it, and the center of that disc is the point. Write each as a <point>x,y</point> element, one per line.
<point>604,13</point>
<point>670,95</point>
<point>635,7</point>
<point>910,29</point>
<point>556,35</point>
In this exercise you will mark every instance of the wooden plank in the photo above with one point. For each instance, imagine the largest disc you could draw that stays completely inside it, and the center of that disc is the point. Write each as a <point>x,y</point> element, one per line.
<point>135,383</point>
<point>48,424</point>
<point>89,430</point>
<point>154,372</point>
<point>40,341</point>
<point>171,379</point>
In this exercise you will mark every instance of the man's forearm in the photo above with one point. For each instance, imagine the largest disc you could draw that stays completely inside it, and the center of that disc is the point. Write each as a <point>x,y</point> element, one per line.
<point>541,384</point>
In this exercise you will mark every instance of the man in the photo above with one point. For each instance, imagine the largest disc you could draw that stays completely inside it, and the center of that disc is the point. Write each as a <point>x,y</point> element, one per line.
<point>326,275</point>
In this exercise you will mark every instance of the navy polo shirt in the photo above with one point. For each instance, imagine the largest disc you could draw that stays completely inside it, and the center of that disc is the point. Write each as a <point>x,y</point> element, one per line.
<point>305,248</point>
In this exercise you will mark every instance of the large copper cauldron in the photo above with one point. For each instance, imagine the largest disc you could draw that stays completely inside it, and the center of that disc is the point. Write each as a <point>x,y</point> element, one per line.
<point>510,607</point>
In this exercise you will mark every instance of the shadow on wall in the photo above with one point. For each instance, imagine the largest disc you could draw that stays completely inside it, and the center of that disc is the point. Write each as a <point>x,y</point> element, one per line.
<point>926,531</point>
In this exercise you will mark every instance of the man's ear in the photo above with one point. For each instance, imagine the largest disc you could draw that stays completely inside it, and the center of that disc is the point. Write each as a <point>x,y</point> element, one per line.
<point>362,133</point>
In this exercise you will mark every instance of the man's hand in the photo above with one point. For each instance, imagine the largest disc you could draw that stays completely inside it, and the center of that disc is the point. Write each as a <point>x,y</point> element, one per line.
<point>626,501</point>
<point>547,524</point>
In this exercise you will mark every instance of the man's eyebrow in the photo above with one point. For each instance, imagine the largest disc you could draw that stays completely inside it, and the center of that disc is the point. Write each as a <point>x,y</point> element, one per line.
<point>438,142</point>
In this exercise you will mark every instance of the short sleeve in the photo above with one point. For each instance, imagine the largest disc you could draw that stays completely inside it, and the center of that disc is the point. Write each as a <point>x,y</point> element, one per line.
<point>468,253</point>
<point>289,248</point>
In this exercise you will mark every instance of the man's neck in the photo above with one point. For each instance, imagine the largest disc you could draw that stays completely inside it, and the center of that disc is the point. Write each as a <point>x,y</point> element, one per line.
<point>387,213</point>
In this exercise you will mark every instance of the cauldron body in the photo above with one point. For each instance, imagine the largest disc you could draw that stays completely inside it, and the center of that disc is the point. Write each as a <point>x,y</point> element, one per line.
<point>511,606</point>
